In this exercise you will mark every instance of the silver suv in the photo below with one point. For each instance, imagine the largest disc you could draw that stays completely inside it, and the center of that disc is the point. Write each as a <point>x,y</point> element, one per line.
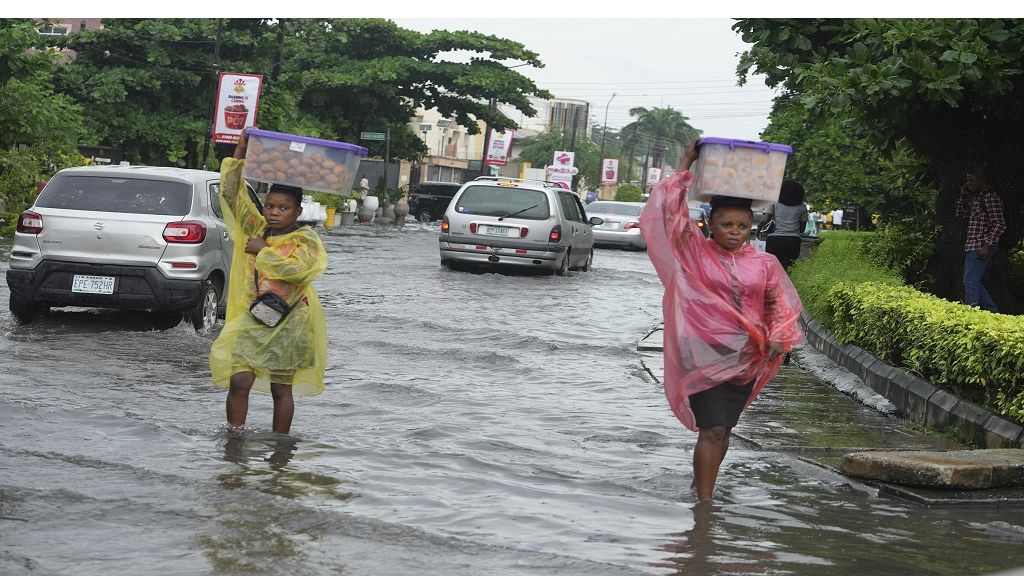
<point>525,223</point>
<point>127,237</point>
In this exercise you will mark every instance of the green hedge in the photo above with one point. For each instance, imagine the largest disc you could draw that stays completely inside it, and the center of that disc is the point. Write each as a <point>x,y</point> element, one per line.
<point>978,355</point>
<point>975,354</point>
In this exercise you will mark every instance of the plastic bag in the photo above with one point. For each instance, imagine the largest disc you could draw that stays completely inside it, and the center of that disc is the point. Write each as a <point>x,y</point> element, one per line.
<point>721,308</point>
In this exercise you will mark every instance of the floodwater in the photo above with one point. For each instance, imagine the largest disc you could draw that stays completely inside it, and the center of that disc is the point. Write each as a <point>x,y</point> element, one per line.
<point>473,423</point>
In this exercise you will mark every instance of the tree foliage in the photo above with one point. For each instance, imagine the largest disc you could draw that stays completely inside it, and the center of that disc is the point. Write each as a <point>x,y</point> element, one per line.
<point>950,89</point>
<point>147,84</point>
<point>40,127</point>
<point>540,150</point>
<point>664,132</point>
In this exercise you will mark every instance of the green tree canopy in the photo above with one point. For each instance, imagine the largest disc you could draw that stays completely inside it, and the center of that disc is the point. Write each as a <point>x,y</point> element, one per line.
<point>662,131</point>
<point>951,88</point>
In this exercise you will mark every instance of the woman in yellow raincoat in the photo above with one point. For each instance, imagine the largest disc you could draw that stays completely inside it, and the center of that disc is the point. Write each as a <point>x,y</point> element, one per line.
<point>273,254</point>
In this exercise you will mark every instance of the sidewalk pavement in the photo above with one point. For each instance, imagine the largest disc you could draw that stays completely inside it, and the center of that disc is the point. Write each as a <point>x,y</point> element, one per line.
<point>800,414</point>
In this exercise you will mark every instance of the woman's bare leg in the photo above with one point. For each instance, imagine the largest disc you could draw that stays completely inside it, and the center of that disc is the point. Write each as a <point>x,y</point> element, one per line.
<point>238,397</point>
<point>284,407</point>
<point>708,454</point>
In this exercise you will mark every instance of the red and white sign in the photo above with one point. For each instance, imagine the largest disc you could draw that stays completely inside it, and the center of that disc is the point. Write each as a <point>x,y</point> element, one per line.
<point>564,158</point>
<point>653,176</point>
<point>238,98</point>
<point>609,171</point>
<point>499,147</point>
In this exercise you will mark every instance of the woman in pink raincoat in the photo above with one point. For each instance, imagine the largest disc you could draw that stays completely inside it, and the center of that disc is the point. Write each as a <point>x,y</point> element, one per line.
<point>730,314</point>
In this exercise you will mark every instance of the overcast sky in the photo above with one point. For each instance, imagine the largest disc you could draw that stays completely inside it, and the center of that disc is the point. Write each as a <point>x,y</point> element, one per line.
<point>688,64</point>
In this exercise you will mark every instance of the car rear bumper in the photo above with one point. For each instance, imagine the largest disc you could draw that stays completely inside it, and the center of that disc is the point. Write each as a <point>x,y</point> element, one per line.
<point>135,287</point>
<point>464,249</point>
<point>632,238</point>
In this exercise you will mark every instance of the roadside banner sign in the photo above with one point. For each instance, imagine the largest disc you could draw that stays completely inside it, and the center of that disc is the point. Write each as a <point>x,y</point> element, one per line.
<point>653,176</point>
<point>371,136</point>
<point>564,158</point>
<point>609,171</point>
<point>499,147</point>
<point>238,98</point>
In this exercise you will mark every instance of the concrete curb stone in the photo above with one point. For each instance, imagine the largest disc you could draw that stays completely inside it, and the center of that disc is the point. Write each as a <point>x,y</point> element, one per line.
<point>916,399</point>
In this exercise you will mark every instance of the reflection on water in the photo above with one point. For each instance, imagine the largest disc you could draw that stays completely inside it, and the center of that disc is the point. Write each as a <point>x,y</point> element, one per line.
<point>263,462</point>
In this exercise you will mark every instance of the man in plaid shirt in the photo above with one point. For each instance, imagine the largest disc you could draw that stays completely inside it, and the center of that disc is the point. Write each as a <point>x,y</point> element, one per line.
<point>984,211</point>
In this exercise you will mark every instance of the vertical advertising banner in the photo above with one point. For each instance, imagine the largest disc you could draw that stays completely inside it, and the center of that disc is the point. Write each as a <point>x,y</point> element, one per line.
<point>238,98</point>
<point>609,171</point>
<point>561,169</point>
<point>653,176</point>
<point>499,148</point>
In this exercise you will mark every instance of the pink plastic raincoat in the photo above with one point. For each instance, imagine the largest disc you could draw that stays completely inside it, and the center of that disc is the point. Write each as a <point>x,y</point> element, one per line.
<point>721,308</point>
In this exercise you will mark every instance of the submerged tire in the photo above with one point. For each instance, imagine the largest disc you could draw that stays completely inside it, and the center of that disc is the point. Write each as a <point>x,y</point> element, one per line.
<point>204,314</point>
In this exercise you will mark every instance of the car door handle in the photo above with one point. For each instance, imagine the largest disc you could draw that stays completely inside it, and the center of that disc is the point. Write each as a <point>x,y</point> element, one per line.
<point>225,234</point>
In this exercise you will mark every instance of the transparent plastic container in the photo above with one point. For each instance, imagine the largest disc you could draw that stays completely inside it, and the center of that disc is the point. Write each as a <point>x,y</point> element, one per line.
<point>308,163</point>
<point>740,169</point>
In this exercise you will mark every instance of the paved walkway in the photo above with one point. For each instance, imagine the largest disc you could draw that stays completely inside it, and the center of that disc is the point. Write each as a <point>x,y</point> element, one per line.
<point>801,414</point>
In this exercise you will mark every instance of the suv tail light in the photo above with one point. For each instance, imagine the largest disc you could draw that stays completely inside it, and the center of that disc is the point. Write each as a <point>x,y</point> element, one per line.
<point>444,224</point>
<point>472,227</point>
<point>30,223</point>
<point>186,232</point>
<point>523,232</point>
<point>631,225</point>
<point>556,233</point>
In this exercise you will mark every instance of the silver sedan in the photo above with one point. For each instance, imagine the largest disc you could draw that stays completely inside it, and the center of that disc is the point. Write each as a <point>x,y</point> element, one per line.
<point>621,225</point>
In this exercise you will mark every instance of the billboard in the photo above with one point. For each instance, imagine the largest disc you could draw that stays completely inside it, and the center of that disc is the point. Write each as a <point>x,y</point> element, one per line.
<point>238,98</point>
<point>499,146</point>
<point>653,176</point>
<point>609,171</point>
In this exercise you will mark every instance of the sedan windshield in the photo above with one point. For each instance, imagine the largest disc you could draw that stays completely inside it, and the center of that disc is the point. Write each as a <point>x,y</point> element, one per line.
<point>618,209</point>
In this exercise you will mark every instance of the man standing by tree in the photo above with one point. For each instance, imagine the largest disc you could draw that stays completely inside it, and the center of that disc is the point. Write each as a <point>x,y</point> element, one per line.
<point>985,224</point>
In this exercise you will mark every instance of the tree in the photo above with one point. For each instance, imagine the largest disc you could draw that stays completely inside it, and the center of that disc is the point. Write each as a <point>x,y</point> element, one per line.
<point>539,151</point>
<point>39,127</point>
<point>147,84</point>
<point>950,88</point>
<point>662,131</point>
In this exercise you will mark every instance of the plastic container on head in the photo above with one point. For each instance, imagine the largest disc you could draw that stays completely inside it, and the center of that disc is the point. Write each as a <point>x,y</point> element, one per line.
<point>740,169</point>
<point>308,163</point>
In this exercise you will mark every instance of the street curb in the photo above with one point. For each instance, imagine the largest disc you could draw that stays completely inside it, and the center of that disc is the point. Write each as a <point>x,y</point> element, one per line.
<point>915,399</point>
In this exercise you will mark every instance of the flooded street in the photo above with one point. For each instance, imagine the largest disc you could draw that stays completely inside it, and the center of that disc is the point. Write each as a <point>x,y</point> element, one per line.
<point>473,423</point>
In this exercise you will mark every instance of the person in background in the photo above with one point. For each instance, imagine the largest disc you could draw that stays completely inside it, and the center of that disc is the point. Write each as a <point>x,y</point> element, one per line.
<point>983,209</point>
<point>730,314</point>
<point>785,222</point>
<point>364,187</point>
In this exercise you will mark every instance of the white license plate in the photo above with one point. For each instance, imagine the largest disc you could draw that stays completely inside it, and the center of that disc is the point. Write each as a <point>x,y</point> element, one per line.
<point>92,284</point>
<point>496,230</point>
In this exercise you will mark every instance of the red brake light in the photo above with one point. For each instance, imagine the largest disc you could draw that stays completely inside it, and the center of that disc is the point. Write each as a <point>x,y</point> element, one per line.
<point>30,223</point>
<point>631,225</point>
<point>472,227</point>
<point>523,232</point>
<point>185,232</point>
<point>556,233</point>
<point>444,224</point>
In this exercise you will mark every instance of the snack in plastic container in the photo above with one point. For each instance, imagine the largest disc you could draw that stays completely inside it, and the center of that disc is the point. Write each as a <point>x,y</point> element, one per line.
<point>739,168</point>
<point>308,163</point>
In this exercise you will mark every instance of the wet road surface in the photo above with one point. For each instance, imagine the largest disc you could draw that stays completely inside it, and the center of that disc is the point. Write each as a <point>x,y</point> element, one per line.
<point>472,423</point>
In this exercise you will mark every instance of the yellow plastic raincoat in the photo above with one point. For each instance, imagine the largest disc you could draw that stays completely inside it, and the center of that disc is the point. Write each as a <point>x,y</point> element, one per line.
<point>295,351</point>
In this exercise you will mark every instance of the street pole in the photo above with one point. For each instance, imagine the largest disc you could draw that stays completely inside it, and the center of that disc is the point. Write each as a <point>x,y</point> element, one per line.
<point>604,131</point>
<point>213,96</point>
<point>387,156</point>
<point>492,106</point>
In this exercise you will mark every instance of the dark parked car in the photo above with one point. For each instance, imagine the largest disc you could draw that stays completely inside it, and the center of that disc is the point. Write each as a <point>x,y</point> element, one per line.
<point>429,200</point>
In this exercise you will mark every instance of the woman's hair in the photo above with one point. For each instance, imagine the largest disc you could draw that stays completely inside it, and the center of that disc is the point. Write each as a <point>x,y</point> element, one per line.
<point>791,193</point>
<point>718,202</point>
<point>293,191</point>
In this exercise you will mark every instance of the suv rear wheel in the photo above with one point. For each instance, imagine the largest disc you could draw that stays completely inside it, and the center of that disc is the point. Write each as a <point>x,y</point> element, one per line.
<point>26,311</point>
<point>589,262</point>
<point>563,270</point>
<point>425,215</point>
<point>204,314</point>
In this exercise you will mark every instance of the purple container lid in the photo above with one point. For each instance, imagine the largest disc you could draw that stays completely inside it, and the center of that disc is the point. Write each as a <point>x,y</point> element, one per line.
<point>766,146</point>
<point>292,137</point>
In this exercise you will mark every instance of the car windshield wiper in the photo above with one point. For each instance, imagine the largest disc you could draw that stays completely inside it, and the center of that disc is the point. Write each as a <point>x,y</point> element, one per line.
<point>517,212</point>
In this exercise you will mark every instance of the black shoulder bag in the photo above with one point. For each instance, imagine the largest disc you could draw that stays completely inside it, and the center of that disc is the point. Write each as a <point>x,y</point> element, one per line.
<point>268,308</point>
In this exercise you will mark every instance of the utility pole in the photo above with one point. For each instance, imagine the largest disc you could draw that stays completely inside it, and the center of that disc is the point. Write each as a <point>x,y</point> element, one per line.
<point>387,156</point>
<point>647,158</point>
<point>492,106</point>
<point>629,170</point>
<point>604,131</point>
<point>213,96</point>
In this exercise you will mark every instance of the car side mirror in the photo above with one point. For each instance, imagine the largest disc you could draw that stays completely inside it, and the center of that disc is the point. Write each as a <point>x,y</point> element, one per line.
<point>595,221</point>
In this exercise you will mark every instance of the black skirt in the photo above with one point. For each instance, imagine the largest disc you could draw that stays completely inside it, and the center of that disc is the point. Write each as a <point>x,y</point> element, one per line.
<point>721,405</point>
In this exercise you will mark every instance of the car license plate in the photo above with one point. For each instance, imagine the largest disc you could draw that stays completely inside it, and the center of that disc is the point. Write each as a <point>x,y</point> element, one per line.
<point>92,284</point>
<point>610,226</point>
<point>495,230</point>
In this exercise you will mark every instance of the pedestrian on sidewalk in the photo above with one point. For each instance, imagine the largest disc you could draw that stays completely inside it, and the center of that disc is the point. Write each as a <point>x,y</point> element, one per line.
<point>785,221</point>
<point>983,209</point>
<point>730,314</point>
<point>274,259</point>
